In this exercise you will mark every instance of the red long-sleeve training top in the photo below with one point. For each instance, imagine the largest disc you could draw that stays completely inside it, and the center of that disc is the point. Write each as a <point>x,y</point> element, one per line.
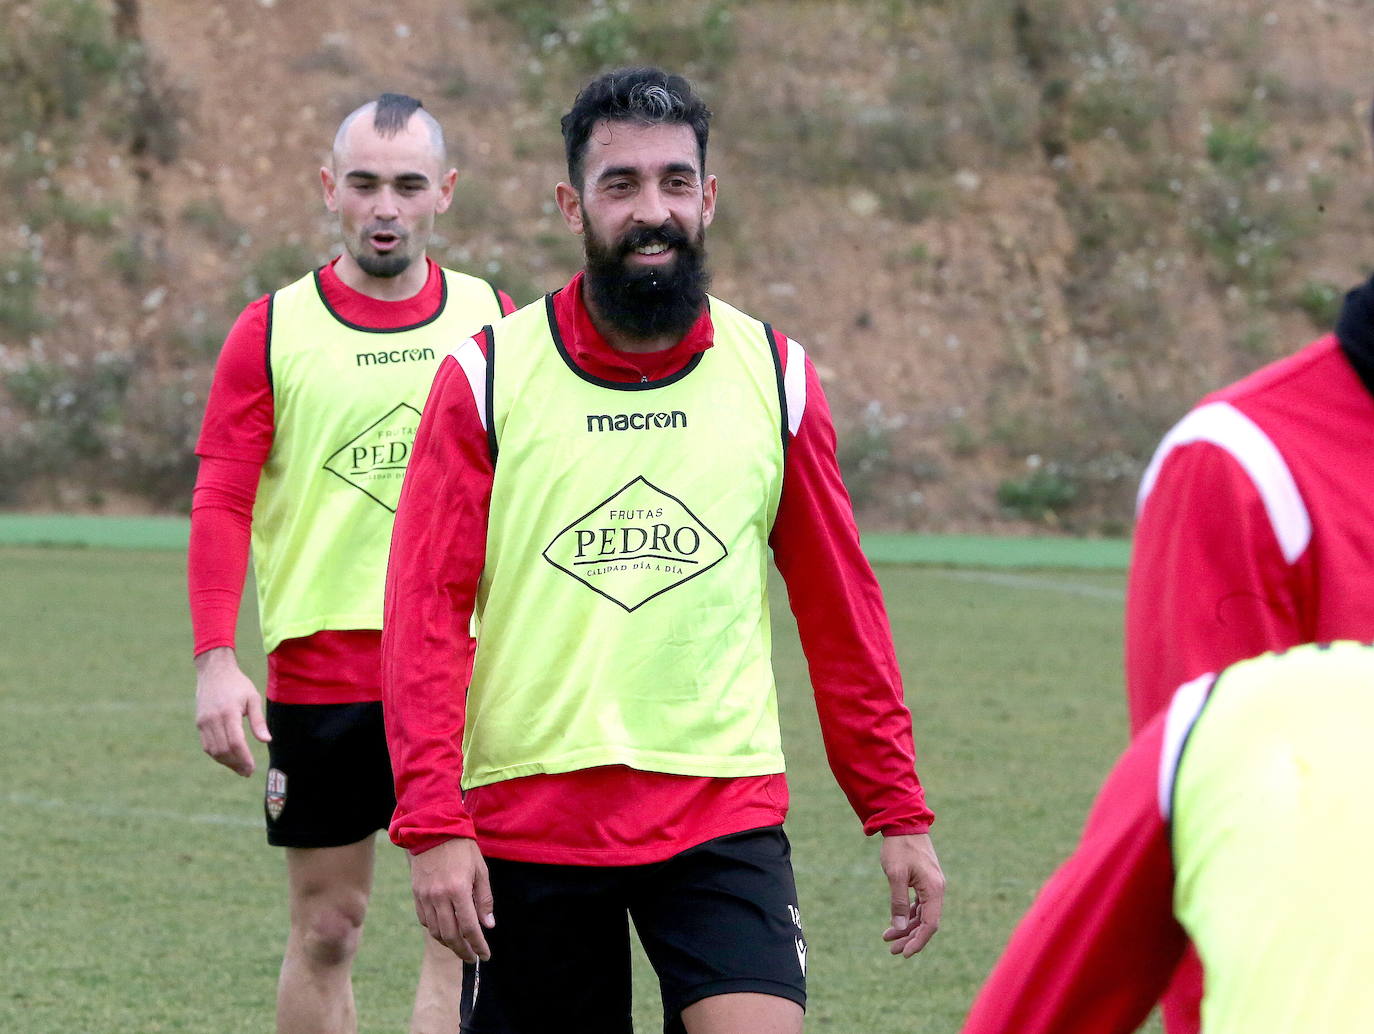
<point>328,667</point>
<point>614,815</point>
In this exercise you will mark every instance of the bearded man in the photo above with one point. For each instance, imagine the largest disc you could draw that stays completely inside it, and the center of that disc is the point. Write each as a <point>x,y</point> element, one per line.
<point>599,478</point>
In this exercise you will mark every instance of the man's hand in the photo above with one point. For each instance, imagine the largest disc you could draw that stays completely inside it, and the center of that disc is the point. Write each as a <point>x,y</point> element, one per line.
<point>453,897</point>
<point>909,863</point>
<point>224,696</point>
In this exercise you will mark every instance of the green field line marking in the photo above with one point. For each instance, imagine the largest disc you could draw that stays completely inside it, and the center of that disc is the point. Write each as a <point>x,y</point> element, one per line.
<point>997,552</point>
<point>1030,581</point>
<point>983,551</point>
<point>99,708</point>
<point>73,530</point>
<point>118,813</point>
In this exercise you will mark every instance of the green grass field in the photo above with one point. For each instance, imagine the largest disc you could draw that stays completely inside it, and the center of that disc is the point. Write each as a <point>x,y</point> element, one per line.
<point>140,895</point>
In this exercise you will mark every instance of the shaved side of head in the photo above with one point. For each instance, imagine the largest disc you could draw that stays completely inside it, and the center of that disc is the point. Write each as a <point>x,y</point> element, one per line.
<point>390,114</point>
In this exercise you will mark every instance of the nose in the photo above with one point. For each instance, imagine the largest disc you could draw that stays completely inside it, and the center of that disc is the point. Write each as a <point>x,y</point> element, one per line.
<point>650,207</point>
<point>384,204</point>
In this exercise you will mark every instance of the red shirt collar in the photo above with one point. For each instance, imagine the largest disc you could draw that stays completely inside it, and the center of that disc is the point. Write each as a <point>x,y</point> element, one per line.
<point>590,351</point>
<point>375,314</point>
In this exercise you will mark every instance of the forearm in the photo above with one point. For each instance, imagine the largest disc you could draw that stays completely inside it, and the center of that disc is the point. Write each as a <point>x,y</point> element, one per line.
<point>438,549</point>
<point>235,440</point>
<point>842,621</point>
<point>217,555</point>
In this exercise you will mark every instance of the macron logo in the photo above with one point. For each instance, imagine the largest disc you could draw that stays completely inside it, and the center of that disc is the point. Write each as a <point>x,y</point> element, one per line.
<point>397,355</point>
<point>635,421</point>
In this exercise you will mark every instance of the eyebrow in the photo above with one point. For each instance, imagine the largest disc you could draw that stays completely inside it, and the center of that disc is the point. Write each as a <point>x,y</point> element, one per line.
<point>632,170</point>
<point>372,177</point>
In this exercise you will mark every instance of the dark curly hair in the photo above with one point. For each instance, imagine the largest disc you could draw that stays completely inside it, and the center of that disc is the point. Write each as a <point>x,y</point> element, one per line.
<point>646,95</point>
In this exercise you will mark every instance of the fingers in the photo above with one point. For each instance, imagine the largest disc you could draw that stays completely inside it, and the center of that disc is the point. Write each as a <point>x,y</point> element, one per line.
<point>470,929</point>
<point>923,919</point>
<point>910,863</point>
<point>930,892</point>
<point>900,900</point>
<point>440,918</point>
<point>453,898</point>
<point>224,695</point>
<point>481,896</point>
<point>257,721</point>
<point>918,934</point>
<point>221,736</point>
<point>456,927</point>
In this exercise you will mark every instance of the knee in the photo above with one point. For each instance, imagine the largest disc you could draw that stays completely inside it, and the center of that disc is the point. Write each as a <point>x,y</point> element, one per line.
<point>329,936</point>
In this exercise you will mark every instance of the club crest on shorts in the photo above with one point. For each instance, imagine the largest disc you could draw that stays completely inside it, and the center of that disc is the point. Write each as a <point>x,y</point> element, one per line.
<point>276,793</point>
<point>794,913</point>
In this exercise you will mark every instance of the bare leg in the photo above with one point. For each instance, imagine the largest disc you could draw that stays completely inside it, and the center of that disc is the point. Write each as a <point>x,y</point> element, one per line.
<point>439,990</point>
<point>329,890</point>
<point>743,1013</point>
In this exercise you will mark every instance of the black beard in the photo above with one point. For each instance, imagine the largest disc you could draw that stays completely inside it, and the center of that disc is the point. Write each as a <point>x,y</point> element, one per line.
<point>383,266</point>
<point>653,302</point>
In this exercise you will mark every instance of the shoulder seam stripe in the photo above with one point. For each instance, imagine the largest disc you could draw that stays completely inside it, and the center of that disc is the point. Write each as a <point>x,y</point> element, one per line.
<point>794,385</point>
<point>474,367</point>
<point>1184,711</point>
<point>489,393</point>
<point>1226,427</point>
<point>267,350</point>
<point>775,354</point>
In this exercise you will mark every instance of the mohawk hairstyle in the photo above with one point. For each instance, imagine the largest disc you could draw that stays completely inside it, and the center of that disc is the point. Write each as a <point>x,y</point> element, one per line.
<point>393,111</point>
<point>649,96</point>
<point>390,114</point>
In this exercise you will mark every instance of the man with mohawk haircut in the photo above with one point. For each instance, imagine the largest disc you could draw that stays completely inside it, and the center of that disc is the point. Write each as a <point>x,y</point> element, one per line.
<point>307,433</point>
<point>600,477</point>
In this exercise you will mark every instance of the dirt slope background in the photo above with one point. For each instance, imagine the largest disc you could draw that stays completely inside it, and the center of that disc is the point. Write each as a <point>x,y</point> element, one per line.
<point>1018,238</point>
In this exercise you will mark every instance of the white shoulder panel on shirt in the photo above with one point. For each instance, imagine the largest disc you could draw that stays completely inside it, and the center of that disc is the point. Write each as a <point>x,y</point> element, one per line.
<point>1183,714</point>
<point>1226,427</point>
<point>474,366</point>
<point>794,385</point>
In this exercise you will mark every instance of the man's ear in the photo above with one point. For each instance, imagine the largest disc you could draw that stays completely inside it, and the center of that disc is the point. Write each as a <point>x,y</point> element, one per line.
<point>708,201</point>
<point>446,185</point>
<point>330,187</point>
<point>570,204</point>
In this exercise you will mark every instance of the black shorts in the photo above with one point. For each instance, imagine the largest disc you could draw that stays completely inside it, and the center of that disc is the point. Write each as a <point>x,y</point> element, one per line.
<point>718,918</point>
<point>329,775</point>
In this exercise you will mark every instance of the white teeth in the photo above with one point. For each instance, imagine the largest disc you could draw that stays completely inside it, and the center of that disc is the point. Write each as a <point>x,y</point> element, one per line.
<point>652,249</point>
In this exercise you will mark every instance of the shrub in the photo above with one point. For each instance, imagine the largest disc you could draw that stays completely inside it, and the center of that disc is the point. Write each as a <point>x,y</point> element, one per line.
<point>1237,148</point>
<point>865,453</point>
<point>1041,496</point>
<point>55,57</point>
<point>20,279</point>
<point>1252,235</point>
<point>696,40</point>
<point>70,407</point>
<point>208,217</point>
<point>276,267</point>
<point>1321,300</point>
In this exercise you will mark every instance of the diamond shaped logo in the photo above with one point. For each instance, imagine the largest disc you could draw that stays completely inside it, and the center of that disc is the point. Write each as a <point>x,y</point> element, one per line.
<point>639,543</point>
<point>375,461</point>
